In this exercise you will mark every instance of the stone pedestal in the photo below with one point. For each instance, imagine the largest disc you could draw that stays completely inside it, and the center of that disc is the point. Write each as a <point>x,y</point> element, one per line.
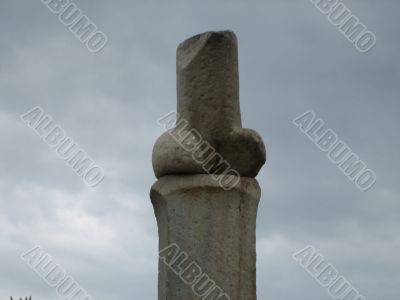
<point>215,228</point>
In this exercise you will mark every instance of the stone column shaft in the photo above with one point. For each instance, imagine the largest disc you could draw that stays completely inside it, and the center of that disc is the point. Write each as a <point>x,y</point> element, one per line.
<point>207,232</point>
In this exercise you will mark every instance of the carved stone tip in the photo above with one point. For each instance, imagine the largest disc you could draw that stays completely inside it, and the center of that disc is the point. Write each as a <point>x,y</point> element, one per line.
<point>188,49</point>
<point>208,103</point>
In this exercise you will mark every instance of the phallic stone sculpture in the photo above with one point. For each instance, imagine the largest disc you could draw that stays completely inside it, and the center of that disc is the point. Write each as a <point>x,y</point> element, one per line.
<point>213,226</point>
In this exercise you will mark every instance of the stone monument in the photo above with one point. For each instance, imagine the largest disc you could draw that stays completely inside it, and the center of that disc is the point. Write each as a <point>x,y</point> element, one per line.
<point>207,229</point>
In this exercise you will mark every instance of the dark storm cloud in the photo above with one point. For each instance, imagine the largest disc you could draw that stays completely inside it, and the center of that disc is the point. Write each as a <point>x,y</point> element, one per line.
<point>291,60</point>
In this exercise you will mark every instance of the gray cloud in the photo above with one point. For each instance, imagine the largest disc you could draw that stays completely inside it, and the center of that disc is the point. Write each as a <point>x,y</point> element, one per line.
<point>291,60</point>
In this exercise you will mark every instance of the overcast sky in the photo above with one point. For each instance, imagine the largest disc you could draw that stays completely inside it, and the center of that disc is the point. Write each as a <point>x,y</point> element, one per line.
<point>291,60</point>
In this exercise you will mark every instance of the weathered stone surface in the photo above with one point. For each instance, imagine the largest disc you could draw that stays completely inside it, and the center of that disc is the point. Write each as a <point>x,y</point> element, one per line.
<point>215,227</point>
<point>212,225</point>
<point>208,98</point>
